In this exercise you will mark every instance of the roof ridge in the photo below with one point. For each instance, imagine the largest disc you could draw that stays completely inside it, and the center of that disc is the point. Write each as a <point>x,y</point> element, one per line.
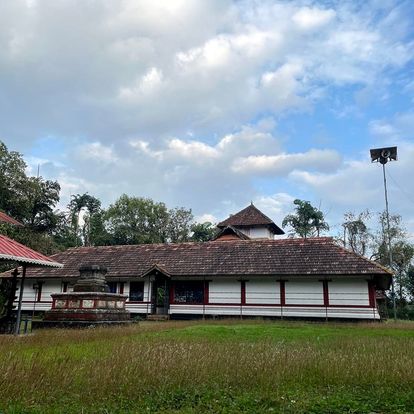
<point>198,243</point>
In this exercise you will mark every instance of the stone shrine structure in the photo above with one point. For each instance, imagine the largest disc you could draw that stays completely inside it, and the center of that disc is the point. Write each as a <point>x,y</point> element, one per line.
<point>90,303</point>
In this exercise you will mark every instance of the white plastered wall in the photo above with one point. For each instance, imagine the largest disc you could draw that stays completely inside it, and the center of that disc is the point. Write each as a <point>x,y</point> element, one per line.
<point>224,291</point>
<point>304,292</point>
<point>263,291</point>
<point>348,292</point>
<point>256,232</point>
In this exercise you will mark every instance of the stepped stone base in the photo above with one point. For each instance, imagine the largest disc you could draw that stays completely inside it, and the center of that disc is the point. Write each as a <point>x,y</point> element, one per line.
<point>89,304</point>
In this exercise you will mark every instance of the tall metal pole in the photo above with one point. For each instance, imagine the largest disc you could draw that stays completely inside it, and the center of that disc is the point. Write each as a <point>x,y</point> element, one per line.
<point>19,306</point>
<point>394,305</point>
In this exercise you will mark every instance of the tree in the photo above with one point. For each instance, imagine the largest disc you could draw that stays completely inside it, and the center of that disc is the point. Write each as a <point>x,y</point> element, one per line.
<point>410,282</point>
<point>356,233</point>
<point>91,207</point>
<point>203,231</point>
<point>31,200</point>
<point>136,220</point>
<point>13,181</point>
<point>179,225</point>
<point>402,252</point>
<point>308,221</point>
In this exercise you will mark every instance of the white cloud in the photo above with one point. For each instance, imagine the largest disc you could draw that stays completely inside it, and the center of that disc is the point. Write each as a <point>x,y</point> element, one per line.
<point>97,152</point>
<point>207,218</point>
<point>358,185</point>
<point>312,18</point>
<point>149,83</point>
<point>276,206</point>
<point>161,68</point>
<point>281,164</point>
<point>195,151</point>
<point>127,83</point>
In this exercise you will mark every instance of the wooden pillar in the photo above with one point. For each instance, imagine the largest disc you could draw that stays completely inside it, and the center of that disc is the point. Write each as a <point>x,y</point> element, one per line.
<point>325,297</point>
<point>149,293</point>
<point>205,296</point>
<point>282,297</point>
<point>242,296</point>
<point>39,291</point>
<point>19,306</point>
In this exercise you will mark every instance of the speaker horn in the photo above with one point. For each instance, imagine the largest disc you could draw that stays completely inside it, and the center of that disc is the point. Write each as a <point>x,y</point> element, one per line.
<point>383,155</point>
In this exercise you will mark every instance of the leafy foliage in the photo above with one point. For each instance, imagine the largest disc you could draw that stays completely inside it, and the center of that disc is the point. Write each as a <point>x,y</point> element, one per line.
<point>135,220</point>
<point>357,233</point>
<point>31,200</point>
<point>307,221</point>
<point>203,231</point>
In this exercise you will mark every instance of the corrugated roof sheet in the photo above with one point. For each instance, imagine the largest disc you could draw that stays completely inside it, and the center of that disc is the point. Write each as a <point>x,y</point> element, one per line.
<point>315,256</point>
<point>11,250</point>
<point>10,220</point>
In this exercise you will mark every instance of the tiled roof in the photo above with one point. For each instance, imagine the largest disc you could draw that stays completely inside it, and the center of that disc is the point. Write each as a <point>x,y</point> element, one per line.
<point>230,231</point>
<point>11,250</point>
<point>250,216</point>
<point>316,256</point>
<point>7,219</point>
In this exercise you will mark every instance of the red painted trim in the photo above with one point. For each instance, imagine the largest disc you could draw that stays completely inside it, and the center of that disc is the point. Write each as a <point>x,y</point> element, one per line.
<point>371,294</point>
<point>238,304</point>
<point>243,292</point>
<point>282,293</point>
<point>189,303</point>
<point>325,293</point>
<point>172,292</point>
<point>121,287</point>
<point>206,292</point>
<point>137,301</point>
<point>276,305</point>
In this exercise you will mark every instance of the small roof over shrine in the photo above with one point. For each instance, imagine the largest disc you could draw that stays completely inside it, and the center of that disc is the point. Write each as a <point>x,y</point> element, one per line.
<point>250,216</point>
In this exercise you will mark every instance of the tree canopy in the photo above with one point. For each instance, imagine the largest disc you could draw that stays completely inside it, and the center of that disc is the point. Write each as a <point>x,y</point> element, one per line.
<point>307,221</point>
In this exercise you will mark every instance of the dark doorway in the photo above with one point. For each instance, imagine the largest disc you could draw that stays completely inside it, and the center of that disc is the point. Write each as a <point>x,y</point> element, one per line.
<point>160,298</point>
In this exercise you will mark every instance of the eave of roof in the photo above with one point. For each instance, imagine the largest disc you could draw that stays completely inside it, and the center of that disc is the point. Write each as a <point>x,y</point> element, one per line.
<point>231,230</point>
<point>10,220</point>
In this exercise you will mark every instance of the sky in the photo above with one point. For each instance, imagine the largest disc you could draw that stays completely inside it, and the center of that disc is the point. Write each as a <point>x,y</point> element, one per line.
<point>213,104</point>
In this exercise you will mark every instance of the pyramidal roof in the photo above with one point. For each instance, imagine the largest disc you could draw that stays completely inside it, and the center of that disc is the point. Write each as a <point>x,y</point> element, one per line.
<point>250,216</point>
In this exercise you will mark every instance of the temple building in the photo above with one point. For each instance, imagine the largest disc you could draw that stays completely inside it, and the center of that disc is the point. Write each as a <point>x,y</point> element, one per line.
<point>244,271</point>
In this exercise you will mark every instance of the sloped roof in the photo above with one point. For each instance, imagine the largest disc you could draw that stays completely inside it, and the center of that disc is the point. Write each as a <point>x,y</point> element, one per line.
<point>10,220</point>
<point>11,250</point>
<point>248,217</point>
<point>230,230</point>
<point>314,256</point>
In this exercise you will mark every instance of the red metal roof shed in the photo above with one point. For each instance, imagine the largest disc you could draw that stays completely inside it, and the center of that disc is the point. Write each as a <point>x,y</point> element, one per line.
<point>7,219</point>
<point>11,250</point>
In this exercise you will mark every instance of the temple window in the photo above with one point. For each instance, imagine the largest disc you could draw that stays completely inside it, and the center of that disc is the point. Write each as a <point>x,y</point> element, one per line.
<point>136,291</point>
<point>189,292</point>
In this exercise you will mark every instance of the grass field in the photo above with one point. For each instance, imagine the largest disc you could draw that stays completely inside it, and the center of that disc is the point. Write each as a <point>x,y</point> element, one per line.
<point>212,367</point>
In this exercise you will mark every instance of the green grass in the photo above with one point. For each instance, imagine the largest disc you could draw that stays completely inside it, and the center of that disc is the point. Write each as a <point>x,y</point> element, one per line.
<point>211,367</point>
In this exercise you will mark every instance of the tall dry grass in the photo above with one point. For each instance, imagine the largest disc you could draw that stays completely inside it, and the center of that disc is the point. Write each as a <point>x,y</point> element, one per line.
<point>130,363</point>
